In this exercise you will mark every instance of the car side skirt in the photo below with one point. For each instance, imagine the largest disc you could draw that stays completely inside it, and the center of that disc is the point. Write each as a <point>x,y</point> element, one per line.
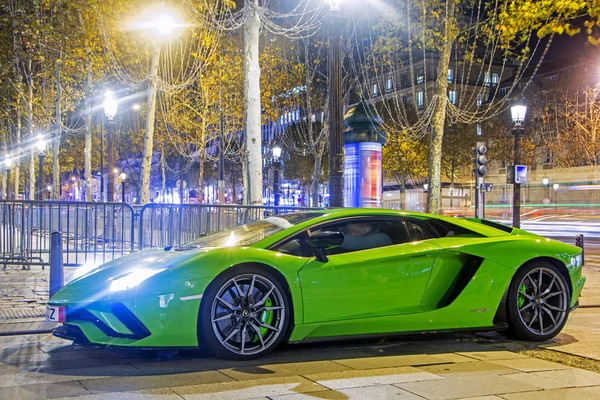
<point>497,327</point>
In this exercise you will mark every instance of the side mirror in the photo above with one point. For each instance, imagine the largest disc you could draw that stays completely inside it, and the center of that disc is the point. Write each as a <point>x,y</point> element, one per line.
<point>325,241</point>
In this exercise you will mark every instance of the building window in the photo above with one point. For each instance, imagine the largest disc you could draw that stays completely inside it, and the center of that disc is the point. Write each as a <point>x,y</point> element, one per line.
<point>503,91</point>
<point>404,100</point>
<point>487,79</point>
<point>452,96</point>
<point>450,75</point>
<point>388,85</point>
<point>403,81</point>
<point>479,101</point>
<point>420,75</point>
<point>375,89</point>
<point>420,98</point>
<point>495,78</point>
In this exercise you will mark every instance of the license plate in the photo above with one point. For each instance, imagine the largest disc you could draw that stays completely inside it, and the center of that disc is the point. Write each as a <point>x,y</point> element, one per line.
<point>55,313</point>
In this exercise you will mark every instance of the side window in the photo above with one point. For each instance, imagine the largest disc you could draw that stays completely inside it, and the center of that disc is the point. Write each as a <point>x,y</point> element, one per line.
<point>418,230</point>
<point>366,233</point>
<point>295,246</point>
<point>447,229</point>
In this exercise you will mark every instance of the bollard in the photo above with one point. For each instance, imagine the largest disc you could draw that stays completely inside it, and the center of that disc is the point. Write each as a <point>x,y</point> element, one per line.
<point>580,243</point>
<point>57,278</point>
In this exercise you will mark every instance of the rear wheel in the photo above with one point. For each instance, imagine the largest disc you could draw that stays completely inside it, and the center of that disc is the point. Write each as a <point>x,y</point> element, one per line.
<point>538,302</point>
<point>244,314</point>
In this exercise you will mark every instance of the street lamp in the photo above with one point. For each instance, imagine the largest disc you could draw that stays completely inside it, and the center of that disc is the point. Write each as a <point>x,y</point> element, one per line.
<point>425,187</point>
<point>123,177</point>
<point>336,108</point>
<point>111,104</point>
<point>40,145</point>
<point>518,110</point>
<point>276,167</point>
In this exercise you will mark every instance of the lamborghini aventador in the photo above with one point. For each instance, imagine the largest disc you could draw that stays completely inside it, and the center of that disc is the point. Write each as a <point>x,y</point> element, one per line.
<point>325,274</point>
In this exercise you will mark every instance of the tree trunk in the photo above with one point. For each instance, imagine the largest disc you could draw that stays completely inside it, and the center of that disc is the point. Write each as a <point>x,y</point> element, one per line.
<point>315,181</point>
<point>32,189</point>
<point>4,194</point>
<point>163,177</point>
<point>87,152</point>
<point>253,141</point>
<point>56,142</point>
<point>17,150</point>
<point>439,116</point>
<point>150,116</point>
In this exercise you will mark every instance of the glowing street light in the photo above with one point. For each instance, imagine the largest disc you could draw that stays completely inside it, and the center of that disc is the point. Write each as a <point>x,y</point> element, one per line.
<point>545,181</point>
<point>159,22</point>
<point>136,106</point>
<point>111,104</point>
<point>123,176</point>
<point>518,110</point>
<point>8,162</point>
<point>276,151</point>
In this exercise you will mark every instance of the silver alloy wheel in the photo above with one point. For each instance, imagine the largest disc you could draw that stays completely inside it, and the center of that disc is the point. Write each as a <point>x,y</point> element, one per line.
<point>248,314</point>
<point>542,301</point>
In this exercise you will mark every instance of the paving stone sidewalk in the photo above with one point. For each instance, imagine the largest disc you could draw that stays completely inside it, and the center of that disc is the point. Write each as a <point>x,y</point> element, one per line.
<point>23,297</point>
<point>40,366</point>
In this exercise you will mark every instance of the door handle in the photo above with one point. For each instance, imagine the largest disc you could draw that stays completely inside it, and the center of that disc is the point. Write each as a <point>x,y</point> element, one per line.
<point>419,256</point>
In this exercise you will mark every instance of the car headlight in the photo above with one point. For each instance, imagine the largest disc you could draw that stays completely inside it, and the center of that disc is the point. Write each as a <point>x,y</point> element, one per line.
<point>132,279</point>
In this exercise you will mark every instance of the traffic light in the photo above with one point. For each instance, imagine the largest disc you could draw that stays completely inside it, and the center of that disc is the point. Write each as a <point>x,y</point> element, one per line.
<point>480,160</point>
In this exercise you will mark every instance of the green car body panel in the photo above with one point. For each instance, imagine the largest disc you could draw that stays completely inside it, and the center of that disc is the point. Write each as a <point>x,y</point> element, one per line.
<point>438,284</point>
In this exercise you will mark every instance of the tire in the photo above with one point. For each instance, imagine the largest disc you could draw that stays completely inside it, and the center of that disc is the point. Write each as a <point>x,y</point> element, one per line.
<point>245,326</point>
<point>527,301</point>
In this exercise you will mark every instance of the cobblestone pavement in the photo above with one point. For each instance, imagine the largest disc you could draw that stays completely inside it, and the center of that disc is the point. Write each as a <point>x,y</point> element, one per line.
<point>449,367</point>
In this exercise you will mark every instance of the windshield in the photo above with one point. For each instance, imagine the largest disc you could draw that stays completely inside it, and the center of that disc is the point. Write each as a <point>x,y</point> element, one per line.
<point>252,232</point>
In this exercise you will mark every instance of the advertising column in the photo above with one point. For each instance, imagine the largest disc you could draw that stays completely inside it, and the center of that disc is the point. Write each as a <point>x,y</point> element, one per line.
<point>363,141</point>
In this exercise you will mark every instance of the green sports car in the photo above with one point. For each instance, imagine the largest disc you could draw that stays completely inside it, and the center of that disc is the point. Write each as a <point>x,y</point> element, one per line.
<point>325,274</point>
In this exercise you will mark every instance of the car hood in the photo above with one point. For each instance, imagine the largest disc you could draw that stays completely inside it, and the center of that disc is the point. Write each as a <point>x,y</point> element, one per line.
<point>94,285</point>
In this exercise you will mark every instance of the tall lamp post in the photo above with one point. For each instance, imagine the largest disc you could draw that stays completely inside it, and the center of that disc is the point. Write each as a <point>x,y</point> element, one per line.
<point>336,109</point>
<point>276,169</point>
<point>40,145</point>
<point>517,111</point>
<point>123,176</point>
<point>8,162</point>
<point>110,110</point>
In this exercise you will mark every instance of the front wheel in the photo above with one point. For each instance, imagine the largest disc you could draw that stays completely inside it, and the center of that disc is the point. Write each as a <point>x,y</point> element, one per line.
<point>538,302</point>
<point>244,314</point>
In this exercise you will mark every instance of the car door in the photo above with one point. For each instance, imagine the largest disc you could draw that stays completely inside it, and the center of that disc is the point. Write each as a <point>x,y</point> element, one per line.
<point>376,278</point>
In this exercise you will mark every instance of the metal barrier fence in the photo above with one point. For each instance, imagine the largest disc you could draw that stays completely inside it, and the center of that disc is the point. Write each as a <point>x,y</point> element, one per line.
<point>91,232</point>
<point>164,225</point>
<point>99,232</point>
